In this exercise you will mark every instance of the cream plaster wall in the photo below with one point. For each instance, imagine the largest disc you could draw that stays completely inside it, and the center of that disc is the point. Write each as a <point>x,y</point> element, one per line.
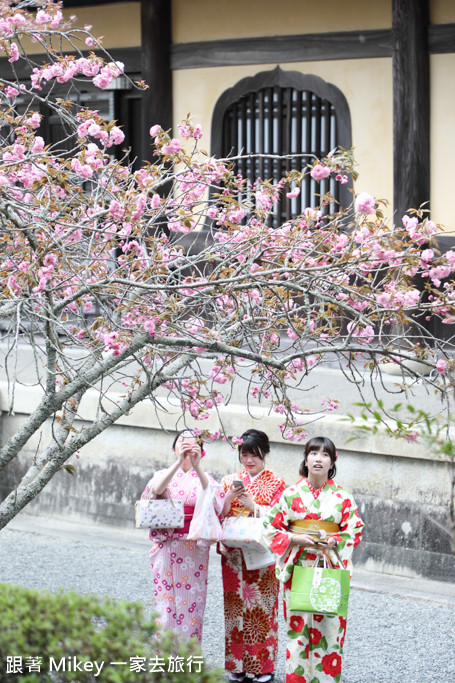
<point>214,20</point>
<point>442,11</point>
<point>118,24</point>
<point>442,135</point>
<point>366,84</point>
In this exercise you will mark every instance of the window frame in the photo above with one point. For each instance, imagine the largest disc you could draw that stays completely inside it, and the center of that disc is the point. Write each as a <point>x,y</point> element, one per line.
<point>287,79</point>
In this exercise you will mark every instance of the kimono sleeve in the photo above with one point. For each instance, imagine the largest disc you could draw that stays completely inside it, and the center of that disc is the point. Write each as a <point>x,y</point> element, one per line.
<point>276,532</point>
<point>351,529</point>
<point>149,491</point>
<point>219,494</point>
<point>263,510</point>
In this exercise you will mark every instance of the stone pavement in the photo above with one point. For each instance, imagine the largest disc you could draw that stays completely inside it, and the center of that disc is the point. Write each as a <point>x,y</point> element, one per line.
<point>400,630</point>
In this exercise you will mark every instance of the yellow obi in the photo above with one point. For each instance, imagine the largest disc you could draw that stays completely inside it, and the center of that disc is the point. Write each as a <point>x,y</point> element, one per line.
<point>313,527</point>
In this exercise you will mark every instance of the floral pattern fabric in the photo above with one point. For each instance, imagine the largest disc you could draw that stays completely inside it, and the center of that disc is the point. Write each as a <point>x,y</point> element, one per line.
<point>315,641</point>
<point>251,596</point>
<point>180,566</point>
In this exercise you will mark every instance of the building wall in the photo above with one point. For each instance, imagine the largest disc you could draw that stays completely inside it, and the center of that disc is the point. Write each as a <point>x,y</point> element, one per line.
<point>208,20</point>
<point>442,11</point>
<point>442,127</point>
<point>366,84</point>
<point>119,25</point>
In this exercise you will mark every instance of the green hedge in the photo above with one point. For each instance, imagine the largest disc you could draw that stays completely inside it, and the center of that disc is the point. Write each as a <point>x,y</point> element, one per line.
<point>72,632</point>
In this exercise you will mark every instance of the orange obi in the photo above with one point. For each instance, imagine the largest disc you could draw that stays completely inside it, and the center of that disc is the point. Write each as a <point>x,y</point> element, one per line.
<point>313,527</point>
<point>238,510</point>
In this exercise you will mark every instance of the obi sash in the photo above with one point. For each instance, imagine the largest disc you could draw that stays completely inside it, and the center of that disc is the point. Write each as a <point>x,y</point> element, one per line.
<point>188,512</point>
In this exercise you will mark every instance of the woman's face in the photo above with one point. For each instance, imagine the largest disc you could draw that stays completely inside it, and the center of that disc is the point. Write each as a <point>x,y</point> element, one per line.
<point>183,446</point>
<point>318,462</point>
<point>252,463</point>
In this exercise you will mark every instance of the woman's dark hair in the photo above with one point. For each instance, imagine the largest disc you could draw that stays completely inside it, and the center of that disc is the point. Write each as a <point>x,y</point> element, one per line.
<point>255,442</point>
<point>316,444</point>
<point>190,434</point>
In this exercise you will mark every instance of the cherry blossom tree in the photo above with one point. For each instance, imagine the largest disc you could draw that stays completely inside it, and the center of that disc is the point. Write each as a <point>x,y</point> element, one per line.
<point>100,276</point>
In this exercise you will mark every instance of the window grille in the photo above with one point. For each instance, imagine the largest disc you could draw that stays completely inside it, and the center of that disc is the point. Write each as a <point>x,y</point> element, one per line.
<point>283,113</point>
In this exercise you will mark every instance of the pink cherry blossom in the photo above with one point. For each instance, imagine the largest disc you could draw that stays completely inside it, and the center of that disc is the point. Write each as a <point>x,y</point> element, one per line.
<point>441,366</point>
<point>116,136</point>
<point>293,193</point>
<point>13,53</point>
<point>38,145</point>
<point>319,172</point>
<point>173,147</point>
<point>364,203</point>
<point>42,17</point>
<point>155,201</point>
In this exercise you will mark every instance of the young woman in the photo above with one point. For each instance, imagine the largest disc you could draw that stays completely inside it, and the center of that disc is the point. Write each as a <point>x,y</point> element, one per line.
<point>180,566</point>
<point>312,510</point>
<point>250,597</point>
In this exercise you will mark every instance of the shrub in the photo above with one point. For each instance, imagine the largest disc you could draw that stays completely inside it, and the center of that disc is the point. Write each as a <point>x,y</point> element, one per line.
<point>67,637</point>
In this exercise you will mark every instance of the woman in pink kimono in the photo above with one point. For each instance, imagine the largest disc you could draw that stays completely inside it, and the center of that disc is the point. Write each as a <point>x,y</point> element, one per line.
<point>313,515</point>
<point>180,565</point>
<point>250,596</point>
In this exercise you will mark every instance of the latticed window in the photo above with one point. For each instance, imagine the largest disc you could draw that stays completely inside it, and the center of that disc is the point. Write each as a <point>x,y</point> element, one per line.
<point>292,114</point>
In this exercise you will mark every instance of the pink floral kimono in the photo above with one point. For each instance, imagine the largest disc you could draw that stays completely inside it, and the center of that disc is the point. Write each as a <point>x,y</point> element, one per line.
<point>315,641</point>
<point>180,566</point>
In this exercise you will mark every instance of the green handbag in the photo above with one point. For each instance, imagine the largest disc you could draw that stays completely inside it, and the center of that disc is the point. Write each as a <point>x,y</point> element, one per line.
<point>321,590</point>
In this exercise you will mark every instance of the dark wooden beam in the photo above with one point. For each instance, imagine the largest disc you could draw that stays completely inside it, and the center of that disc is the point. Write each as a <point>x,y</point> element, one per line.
<point>275,49</point>
<point>156,68</point>
<point>411,105</point>
<point>301,48</point>
<point>441,38</point>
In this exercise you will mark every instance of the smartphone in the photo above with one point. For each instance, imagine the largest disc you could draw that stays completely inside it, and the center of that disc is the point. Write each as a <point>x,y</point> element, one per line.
<point>238,482</point>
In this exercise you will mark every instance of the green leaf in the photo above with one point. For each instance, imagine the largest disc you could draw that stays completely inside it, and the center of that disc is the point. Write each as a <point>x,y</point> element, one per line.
<point>70,469</point>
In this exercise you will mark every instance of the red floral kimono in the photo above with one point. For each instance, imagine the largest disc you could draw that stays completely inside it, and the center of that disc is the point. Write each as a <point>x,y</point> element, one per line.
<point>315,641</point>
<point>251,596</point>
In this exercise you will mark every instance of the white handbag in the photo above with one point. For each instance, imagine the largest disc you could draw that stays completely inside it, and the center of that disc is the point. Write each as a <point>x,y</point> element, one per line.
<point>159,513</point>
<point>243,532</point>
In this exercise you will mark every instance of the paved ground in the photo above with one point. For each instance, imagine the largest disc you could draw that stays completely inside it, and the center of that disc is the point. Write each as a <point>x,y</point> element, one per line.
<point>400,630</point>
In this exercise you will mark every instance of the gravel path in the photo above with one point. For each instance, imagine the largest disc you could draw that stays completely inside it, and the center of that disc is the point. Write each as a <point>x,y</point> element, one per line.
<point>390,638</point>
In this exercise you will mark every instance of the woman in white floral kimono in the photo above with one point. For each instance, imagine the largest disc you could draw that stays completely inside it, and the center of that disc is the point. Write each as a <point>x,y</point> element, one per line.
<point>180,565</point>
<point>315,509</point>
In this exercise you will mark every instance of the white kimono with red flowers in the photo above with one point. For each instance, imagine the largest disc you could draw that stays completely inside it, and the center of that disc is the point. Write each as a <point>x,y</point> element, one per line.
<point>315,641</point>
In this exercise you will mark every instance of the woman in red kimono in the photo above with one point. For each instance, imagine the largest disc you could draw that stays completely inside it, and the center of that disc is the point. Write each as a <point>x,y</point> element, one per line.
<point>250,596</point>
